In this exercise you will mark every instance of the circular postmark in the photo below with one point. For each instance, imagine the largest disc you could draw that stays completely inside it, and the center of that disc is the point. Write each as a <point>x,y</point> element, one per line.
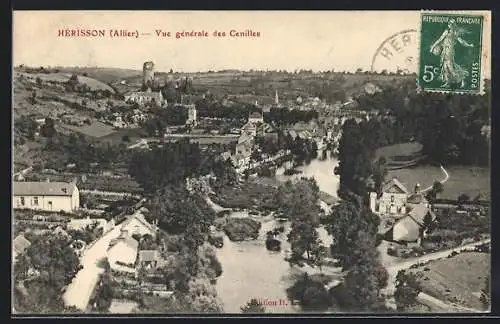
<point>399,52</point>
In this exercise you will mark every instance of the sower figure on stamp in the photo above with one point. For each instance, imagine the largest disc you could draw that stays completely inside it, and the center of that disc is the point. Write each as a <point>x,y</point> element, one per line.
<point>451,72</point>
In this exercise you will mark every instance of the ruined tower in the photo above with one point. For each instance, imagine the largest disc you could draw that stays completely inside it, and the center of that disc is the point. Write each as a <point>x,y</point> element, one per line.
<point>148,73</point>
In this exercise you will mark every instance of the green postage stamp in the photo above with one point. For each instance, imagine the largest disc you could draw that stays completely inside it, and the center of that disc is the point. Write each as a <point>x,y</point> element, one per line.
<point>450,53</point>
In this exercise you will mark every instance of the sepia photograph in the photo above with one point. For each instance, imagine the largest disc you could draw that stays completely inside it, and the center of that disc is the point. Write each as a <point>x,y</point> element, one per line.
<point>251,162</point>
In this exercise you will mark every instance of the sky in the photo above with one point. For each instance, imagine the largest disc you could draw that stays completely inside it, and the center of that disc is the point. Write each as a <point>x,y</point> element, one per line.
<point>289,40</point>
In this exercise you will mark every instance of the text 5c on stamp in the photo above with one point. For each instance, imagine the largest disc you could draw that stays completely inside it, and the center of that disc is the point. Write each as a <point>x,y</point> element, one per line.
<point>450,53</point>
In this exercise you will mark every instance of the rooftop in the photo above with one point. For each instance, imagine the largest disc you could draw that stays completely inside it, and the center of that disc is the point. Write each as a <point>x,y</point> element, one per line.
<point>27,188</point>
<point>128,240</point>
<point>416,199</point>
<point>394,182</point>
<point>418,212</point>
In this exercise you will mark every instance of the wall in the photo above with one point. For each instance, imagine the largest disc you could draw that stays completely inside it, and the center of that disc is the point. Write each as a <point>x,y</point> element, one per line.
<point>59,203</point>
<point>396,207</point>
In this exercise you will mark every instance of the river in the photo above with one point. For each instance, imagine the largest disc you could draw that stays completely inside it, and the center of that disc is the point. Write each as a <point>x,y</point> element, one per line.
<point>251,271</point>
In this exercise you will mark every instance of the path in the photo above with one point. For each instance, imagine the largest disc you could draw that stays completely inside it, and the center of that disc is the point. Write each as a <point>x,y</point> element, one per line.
<point>446,177</point>
<point>78,292</point>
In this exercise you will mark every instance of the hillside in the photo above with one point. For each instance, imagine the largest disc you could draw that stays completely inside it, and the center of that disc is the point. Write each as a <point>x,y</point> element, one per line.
<point>51,95</point>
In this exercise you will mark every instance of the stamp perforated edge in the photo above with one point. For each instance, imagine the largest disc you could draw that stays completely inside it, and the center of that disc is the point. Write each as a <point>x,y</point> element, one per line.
<point>481,91</point>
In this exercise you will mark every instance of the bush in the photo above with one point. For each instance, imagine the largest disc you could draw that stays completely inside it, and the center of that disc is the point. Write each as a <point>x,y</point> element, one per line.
<point>240,229</point>
<point>273,244</point>
<point>311,294</point>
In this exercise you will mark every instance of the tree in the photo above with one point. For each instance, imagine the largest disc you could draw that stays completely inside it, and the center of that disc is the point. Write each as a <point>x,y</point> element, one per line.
<point>428,224</point>
<point>104,294</point>
<point>311,294</point>
<point>57,265</point>
<point>355,160</point>
<point>353,228</point>
<point>299,202</point>
<point>201,297</point>
<point>48,129</point>
<point>407,289</point>
<point>463,198</point>
<point>253,307</point>
<point>363,286</point>
<point>379,174</point>
<point>437,188</point>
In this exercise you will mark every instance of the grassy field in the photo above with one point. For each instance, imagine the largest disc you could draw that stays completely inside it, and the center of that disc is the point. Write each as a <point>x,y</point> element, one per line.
<point>469,180</point>
<point>96,129</point>
<point>423,175</point>
<point>401,155</point>
<point>458,279</point>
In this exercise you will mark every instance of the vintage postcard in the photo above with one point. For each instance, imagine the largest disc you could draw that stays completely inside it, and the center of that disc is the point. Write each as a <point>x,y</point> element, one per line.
<point>251,162</point>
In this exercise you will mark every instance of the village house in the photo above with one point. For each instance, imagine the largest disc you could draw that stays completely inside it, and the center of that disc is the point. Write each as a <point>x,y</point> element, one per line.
<point>137,224</point>
<point>256,117</point>
<point>393,199</point>
<point>122,253</point>
<point>19,245</point>
<point>46,196</point>
<point>409,228</point>
<point>145,97</point>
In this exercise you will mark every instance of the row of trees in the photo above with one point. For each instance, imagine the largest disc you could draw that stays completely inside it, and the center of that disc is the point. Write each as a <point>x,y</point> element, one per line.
<point>172,163</point>
<point>173,115</point>
<point>61,150</point>
<point>450,127</point>
<point>286,116</point>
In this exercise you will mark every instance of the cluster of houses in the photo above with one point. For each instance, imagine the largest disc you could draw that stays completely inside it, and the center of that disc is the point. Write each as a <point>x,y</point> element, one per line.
<point>123,252</point>
<point>131,119</point>
<point>146,97</point>
<point>406,209</point>
<point>255,127</point>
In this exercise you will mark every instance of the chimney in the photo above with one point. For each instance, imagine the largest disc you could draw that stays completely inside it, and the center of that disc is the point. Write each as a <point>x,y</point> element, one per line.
<point>417,188</point>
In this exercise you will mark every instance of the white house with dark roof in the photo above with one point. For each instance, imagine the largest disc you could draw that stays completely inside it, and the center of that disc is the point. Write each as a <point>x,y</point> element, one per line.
<point>409,228</point>
<point>393,199</point>
<point>137,224</point>
<point>122,253</point>
<point>46,196</point>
